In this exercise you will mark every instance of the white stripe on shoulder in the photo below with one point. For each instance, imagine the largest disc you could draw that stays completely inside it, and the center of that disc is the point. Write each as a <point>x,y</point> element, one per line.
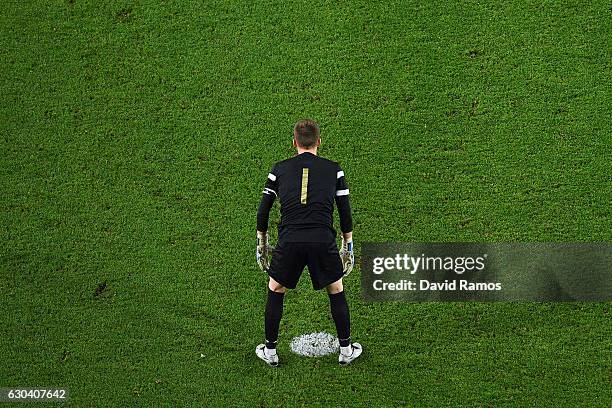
<point>340,174</point>
<point>267,190</point>
<point>271,176</point>
<point>342,192</point>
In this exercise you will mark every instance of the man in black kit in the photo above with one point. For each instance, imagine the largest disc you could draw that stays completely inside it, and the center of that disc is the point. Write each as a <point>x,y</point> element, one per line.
<point>307,186</point>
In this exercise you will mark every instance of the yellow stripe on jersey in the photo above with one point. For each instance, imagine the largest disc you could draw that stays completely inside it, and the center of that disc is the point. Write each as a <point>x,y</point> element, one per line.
<point>304,185</point>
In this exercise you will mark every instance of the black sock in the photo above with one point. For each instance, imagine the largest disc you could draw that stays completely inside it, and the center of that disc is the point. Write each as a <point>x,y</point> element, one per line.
<point>274,312</point>
<point>340,314</point>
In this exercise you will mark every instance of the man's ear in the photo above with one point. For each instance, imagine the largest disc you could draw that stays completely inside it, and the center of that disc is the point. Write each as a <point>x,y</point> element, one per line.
<point>318,142</point>
<point>293,142</point>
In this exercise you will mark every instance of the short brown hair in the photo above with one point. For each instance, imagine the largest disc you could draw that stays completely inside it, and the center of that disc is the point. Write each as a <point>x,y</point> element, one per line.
<point>306,133</point>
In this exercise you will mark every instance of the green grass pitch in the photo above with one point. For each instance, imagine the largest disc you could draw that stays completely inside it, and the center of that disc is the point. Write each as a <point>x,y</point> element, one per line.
<point>136,137</point>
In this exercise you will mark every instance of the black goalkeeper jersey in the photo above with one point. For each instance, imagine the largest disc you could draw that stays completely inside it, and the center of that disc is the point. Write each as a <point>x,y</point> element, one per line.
<point>307,186</point>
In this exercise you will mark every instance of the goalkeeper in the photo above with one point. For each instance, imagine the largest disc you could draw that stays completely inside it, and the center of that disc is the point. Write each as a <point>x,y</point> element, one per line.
<point>307,186</point>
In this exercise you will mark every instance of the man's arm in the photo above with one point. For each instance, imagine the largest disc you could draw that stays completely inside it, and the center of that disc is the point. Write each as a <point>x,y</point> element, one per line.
<point>267,199</point>
<point>263,215</point>
<point>346,222</point>
<point>344,206</point>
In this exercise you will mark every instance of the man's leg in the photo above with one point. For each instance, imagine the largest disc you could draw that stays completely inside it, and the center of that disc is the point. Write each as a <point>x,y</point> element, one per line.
<point>340,313</point>
<point>273,314</point>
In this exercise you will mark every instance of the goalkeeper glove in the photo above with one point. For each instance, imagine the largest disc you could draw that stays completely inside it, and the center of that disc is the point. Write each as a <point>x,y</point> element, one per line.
<point>263,251</point>
<point>347,256</point>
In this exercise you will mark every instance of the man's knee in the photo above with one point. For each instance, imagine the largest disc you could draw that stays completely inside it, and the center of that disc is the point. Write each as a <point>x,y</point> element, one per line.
<point>335,287</point>
<point>274,286</point>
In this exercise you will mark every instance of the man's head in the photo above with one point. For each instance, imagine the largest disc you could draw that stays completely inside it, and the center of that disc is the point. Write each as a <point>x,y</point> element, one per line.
<point>306,134</point>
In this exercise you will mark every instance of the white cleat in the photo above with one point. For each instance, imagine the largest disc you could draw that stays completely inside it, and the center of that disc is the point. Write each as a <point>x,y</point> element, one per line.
<point>354,352</point>
<point>270,359</point>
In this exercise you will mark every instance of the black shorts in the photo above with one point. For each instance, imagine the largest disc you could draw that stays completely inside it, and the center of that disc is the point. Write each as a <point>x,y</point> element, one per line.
<point>290,258</point>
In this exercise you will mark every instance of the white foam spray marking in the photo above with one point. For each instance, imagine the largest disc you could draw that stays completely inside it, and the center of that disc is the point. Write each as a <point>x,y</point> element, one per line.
<point>315,344</point>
